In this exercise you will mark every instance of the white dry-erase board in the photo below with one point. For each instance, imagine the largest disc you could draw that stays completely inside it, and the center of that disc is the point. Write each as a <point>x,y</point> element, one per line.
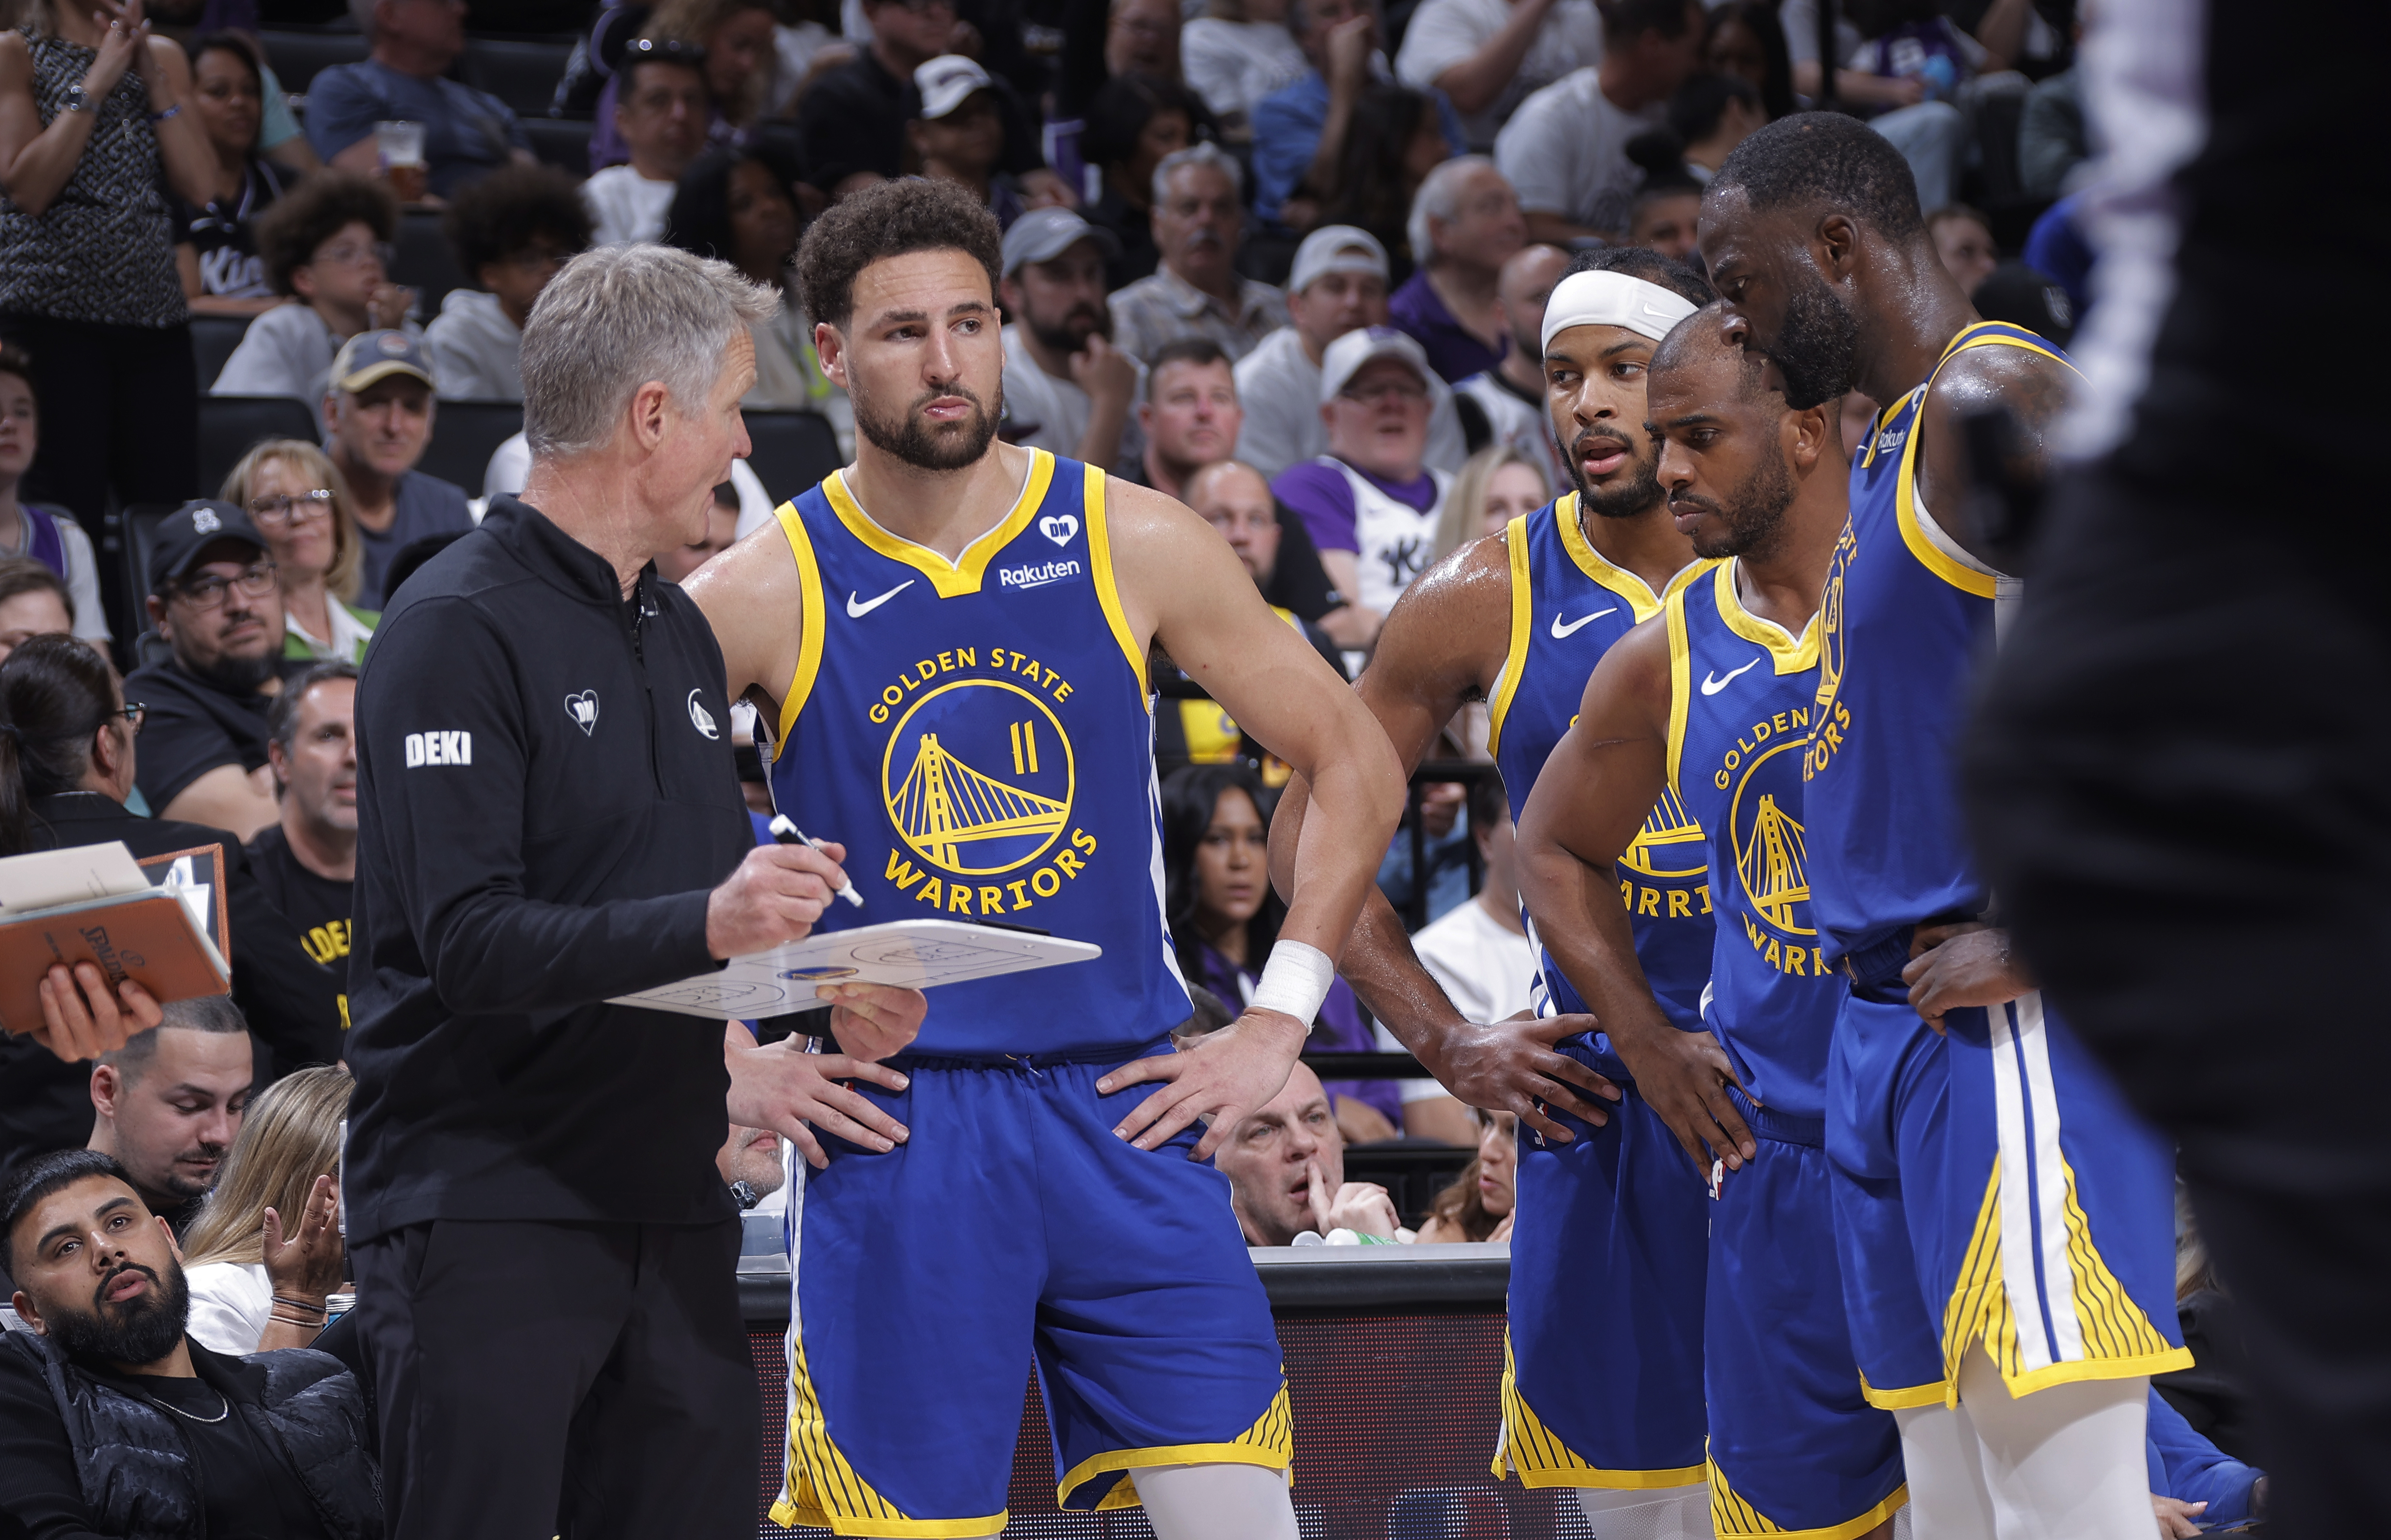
<point>914,954</point>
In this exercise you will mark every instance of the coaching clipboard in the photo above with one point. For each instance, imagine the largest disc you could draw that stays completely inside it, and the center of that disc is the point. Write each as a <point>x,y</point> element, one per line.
<point>912,954</point>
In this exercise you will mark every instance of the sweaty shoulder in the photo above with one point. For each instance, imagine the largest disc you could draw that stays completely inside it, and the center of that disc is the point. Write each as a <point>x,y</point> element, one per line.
<point>754,598</point>
<point>1454,617</point>
<point>2032,385</point>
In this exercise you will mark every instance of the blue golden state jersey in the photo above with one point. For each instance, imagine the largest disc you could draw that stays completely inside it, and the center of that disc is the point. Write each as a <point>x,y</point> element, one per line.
<point>1740,694</point>
<point>1568,607</point>
<point>977,734</point>
<point>1907,616</point>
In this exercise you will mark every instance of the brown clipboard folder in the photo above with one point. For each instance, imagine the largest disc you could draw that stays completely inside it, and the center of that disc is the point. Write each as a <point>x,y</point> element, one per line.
<point>147,937</point>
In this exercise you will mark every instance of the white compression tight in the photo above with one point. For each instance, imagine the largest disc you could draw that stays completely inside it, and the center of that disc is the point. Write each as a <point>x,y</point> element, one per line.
<point>1670,1513</point>
<point>2065,1463</point>
<point>1216,1502</point>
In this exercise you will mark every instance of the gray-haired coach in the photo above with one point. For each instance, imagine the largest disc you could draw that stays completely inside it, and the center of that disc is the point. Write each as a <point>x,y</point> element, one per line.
<point>548,815</point>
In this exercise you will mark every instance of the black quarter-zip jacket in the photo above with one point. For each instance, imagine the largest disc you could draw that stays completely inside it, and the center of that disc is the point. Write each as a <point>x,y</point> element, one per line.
<point>546,795</point>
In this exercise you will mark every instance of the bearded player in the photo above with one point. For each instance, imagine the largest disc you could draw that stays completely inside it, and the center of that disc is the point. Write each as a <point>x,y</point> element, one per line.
<point>1710,702</point>
<point>2006,1221</point>
<point>949,638</point>
<point>1612,1213</point>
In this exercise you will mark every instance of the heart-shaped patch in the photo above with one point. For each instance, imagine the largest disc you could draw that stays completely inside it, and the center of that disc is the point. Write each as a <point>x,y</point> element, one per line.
<point>582,708</point>
<point>1059,527</point>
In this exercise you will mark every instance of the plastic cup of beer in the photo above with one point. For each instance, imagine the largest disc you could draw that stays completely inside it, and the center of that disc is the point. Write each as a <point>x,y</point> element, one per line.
<point>401,145</point>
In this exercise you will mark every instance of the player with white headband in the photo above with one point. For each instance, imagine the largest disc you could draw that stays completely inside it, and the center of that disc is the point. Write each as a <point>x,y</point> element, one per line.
<point>1604,1392</point>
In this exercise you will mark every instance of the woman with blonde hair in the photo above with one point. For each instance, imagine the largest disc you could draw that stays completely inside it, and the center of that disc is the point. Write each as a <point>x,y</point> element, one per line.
<point>302,506</point>
<point>1497,485</point>
<point>264,1253</point>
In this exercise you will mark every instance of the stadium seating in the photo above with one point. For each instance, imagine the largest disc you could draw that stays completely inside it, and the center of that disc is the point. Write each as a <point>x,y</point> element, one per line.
<point>793,450</point>
<point>520,73</point>
<point>561,142</point>
<point>424,263</point>
<point>231,425</point>
<point>212,339</point>
<point>464,435</point>
<point>297,56</point>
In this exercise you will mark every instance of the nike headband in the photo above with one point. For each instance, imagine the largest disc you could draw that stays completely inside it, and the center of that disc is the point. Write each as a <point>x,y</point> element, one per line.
<point>1613,300</point>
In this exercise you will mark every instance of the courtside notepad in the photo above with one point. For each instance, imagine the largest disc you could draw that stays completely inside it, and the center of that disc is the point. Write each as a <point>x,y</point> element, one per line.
<point>93,903</point>
<point>912,954</point>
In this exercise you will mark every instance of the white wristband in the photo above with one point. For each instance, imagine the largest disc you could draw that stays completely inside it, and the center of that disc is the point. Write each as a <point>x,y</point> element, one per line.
<point>1295,981</point>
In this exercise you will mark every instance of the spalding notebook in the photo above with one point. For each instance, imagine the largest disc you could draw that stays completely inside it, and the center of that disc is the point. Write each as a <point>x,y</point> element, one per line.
<point>94,903</point>
<point>913,954</point>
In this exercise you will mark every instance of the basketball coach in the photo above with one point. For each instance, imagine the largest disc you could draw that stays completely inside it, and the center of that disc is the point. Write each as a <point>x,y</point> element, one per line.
<point>548,815</point>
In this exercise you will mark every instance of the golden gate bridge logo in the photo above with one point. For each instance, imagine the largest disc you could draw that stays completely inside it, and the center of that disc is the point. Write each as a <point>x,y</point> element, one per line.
<point>977,820</point>
<point>1772,858</point>
<point>1669,840</point>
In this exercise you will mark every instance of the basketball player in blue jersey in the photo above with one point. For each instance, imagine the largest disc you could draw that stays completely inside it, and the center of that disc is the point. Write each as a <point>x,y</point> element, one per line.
<point>949,638</point>
<point>1608,1245</point>
<point>1710,701</point>
<point>2007,1222</point>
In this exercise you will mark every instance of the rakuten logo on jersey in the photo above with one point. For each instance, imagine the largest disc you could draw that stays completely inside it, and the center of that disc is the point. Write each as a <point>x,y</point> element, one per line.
<point>1037,577</point>
<point>439,748</point>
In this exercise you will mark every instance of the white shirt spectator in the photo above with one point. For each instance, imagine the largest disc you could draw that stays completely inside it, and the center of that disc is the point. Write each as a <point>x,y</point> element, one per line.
<point>1278,385</point>
<point>1234,64</point>
<point>230,1303</point>
<point>285,352</point>
<point>1485,967</point>
<point>1444,33</point>
<point>1056,411</point>
<point>1565,149</point>
<point>626,208</point>
<point>476,353</point>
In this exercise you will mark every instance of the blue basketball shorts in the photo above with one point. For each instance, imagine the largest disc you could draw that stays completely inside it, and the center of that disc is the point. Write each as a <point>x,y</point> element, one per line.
<point>1602,1375</point>
<point>1993,1186</point>
<point>1011,1226</point>
<point>1794,1447</point>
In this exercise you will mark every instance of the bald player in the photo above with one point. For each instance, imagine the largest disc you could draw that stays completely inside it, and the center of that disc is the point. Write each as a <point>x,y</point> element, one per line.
<point>1611,1215</point>
<point>1710,702</point>
<point>2007,1222</point>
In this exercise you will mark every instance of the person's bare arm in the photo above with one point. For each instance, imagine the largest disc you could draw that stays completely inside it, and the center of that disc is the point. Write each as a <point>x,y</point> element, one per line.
<point>1473,85</point>
<point>364,158</point>
<point>755,601</point>
<point>228,797</point>
<point>1441,648</point>
<point>183,148</point>
<point>37,161</point>
<point>1181,585</point>
<point>296,153</point>
<point>1860,87</point>
<point>1594,793</point>
<point>2002,32</point>
<point>1445,1118</point>
<point>1348,72</point>
<point>1109,378</point>
<point>1350,624</point>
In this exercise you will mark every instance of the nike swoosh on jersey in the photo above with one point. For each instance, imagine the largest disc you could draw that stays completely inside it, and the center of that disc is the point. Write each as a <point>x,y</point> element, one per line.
<point>1563,633</point>
<point>856,610</point>
<point>1712,686</point>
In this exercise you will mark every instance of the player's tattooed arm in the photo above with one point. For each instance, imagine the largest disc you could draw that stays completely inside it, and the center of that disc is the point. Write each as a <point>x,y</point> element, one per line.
<point>2032,388</point>
<point>1182,586</point>
<point>1443,646</point>
<point>1594,793</point>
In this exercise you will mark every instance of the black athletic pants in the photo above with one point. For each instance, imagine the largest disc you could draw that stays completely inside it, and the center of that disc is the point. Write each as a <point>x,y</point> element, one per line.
<point>2178,782</point>
<point>120,409</point>
<point>583,1381</point>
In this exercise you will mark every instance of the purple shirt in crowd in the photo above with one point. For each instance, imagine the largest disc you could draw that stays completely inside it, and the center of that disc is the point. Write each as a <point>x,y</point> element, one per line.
<point>1453,351</point>
<point>1321,493</point>
<point>1341,1029</point>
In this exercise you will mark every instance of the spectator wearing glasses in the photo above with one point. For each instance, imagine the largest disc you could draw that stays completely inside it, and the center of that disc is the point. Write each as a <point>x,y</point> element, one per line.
<point>511,230</point>
<point>466,132</point>
<point>378,416</point>
<point>661,113</point>
<point>215,243</point>
<point>215,597</point>
<point>33,603</point>
<point>65,773</point>
<point>300,503</point>
<point>42,532</point>
<point>327,250</point>
<point>1199,221</point>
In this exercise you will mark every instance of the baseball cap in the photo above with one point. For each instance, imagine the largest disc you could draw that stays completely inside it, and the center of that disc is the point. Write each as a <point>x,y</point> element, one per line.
<point>1042,235</point>
<point>1336,249</point>
<point>184,533</point>
<point>1346,356</point>
<point>372,355</point>
<point>946,81</point>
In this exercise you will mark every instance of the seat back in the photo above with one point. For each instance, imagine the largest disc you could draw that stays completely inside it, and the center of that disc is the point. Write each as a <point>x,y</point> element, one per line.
<point>139,523</point>
<point>561,141</point>
<point>232,426</point>
<point>424,263</point>
<point>212,339</point>
<point>792,451</point>
<point>297,56</point>
<point>464,435</point>
<point>521,74</point>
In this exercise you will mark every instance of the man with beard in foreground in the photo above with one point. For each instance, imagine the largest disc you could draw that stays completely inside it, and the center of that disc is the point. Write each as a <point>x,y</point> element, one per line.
<point>1708,702</point>
<point>2006,1219</point>
<point>1611,1217</point>
<point>949,639</point>
<point>113,1422</point>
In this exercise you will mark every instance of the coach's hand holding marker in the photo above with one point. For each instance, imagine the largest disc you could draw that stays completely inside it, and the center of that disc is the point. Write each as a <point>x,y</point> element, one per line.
<point>774,897</point>
<point>788,833</point>
<point>1228,1073</point>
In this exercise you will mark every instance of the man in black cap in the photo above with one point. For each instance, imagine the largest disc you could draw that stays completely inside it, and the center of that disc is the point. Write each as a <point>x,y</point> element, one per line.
<point>215,597</point>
